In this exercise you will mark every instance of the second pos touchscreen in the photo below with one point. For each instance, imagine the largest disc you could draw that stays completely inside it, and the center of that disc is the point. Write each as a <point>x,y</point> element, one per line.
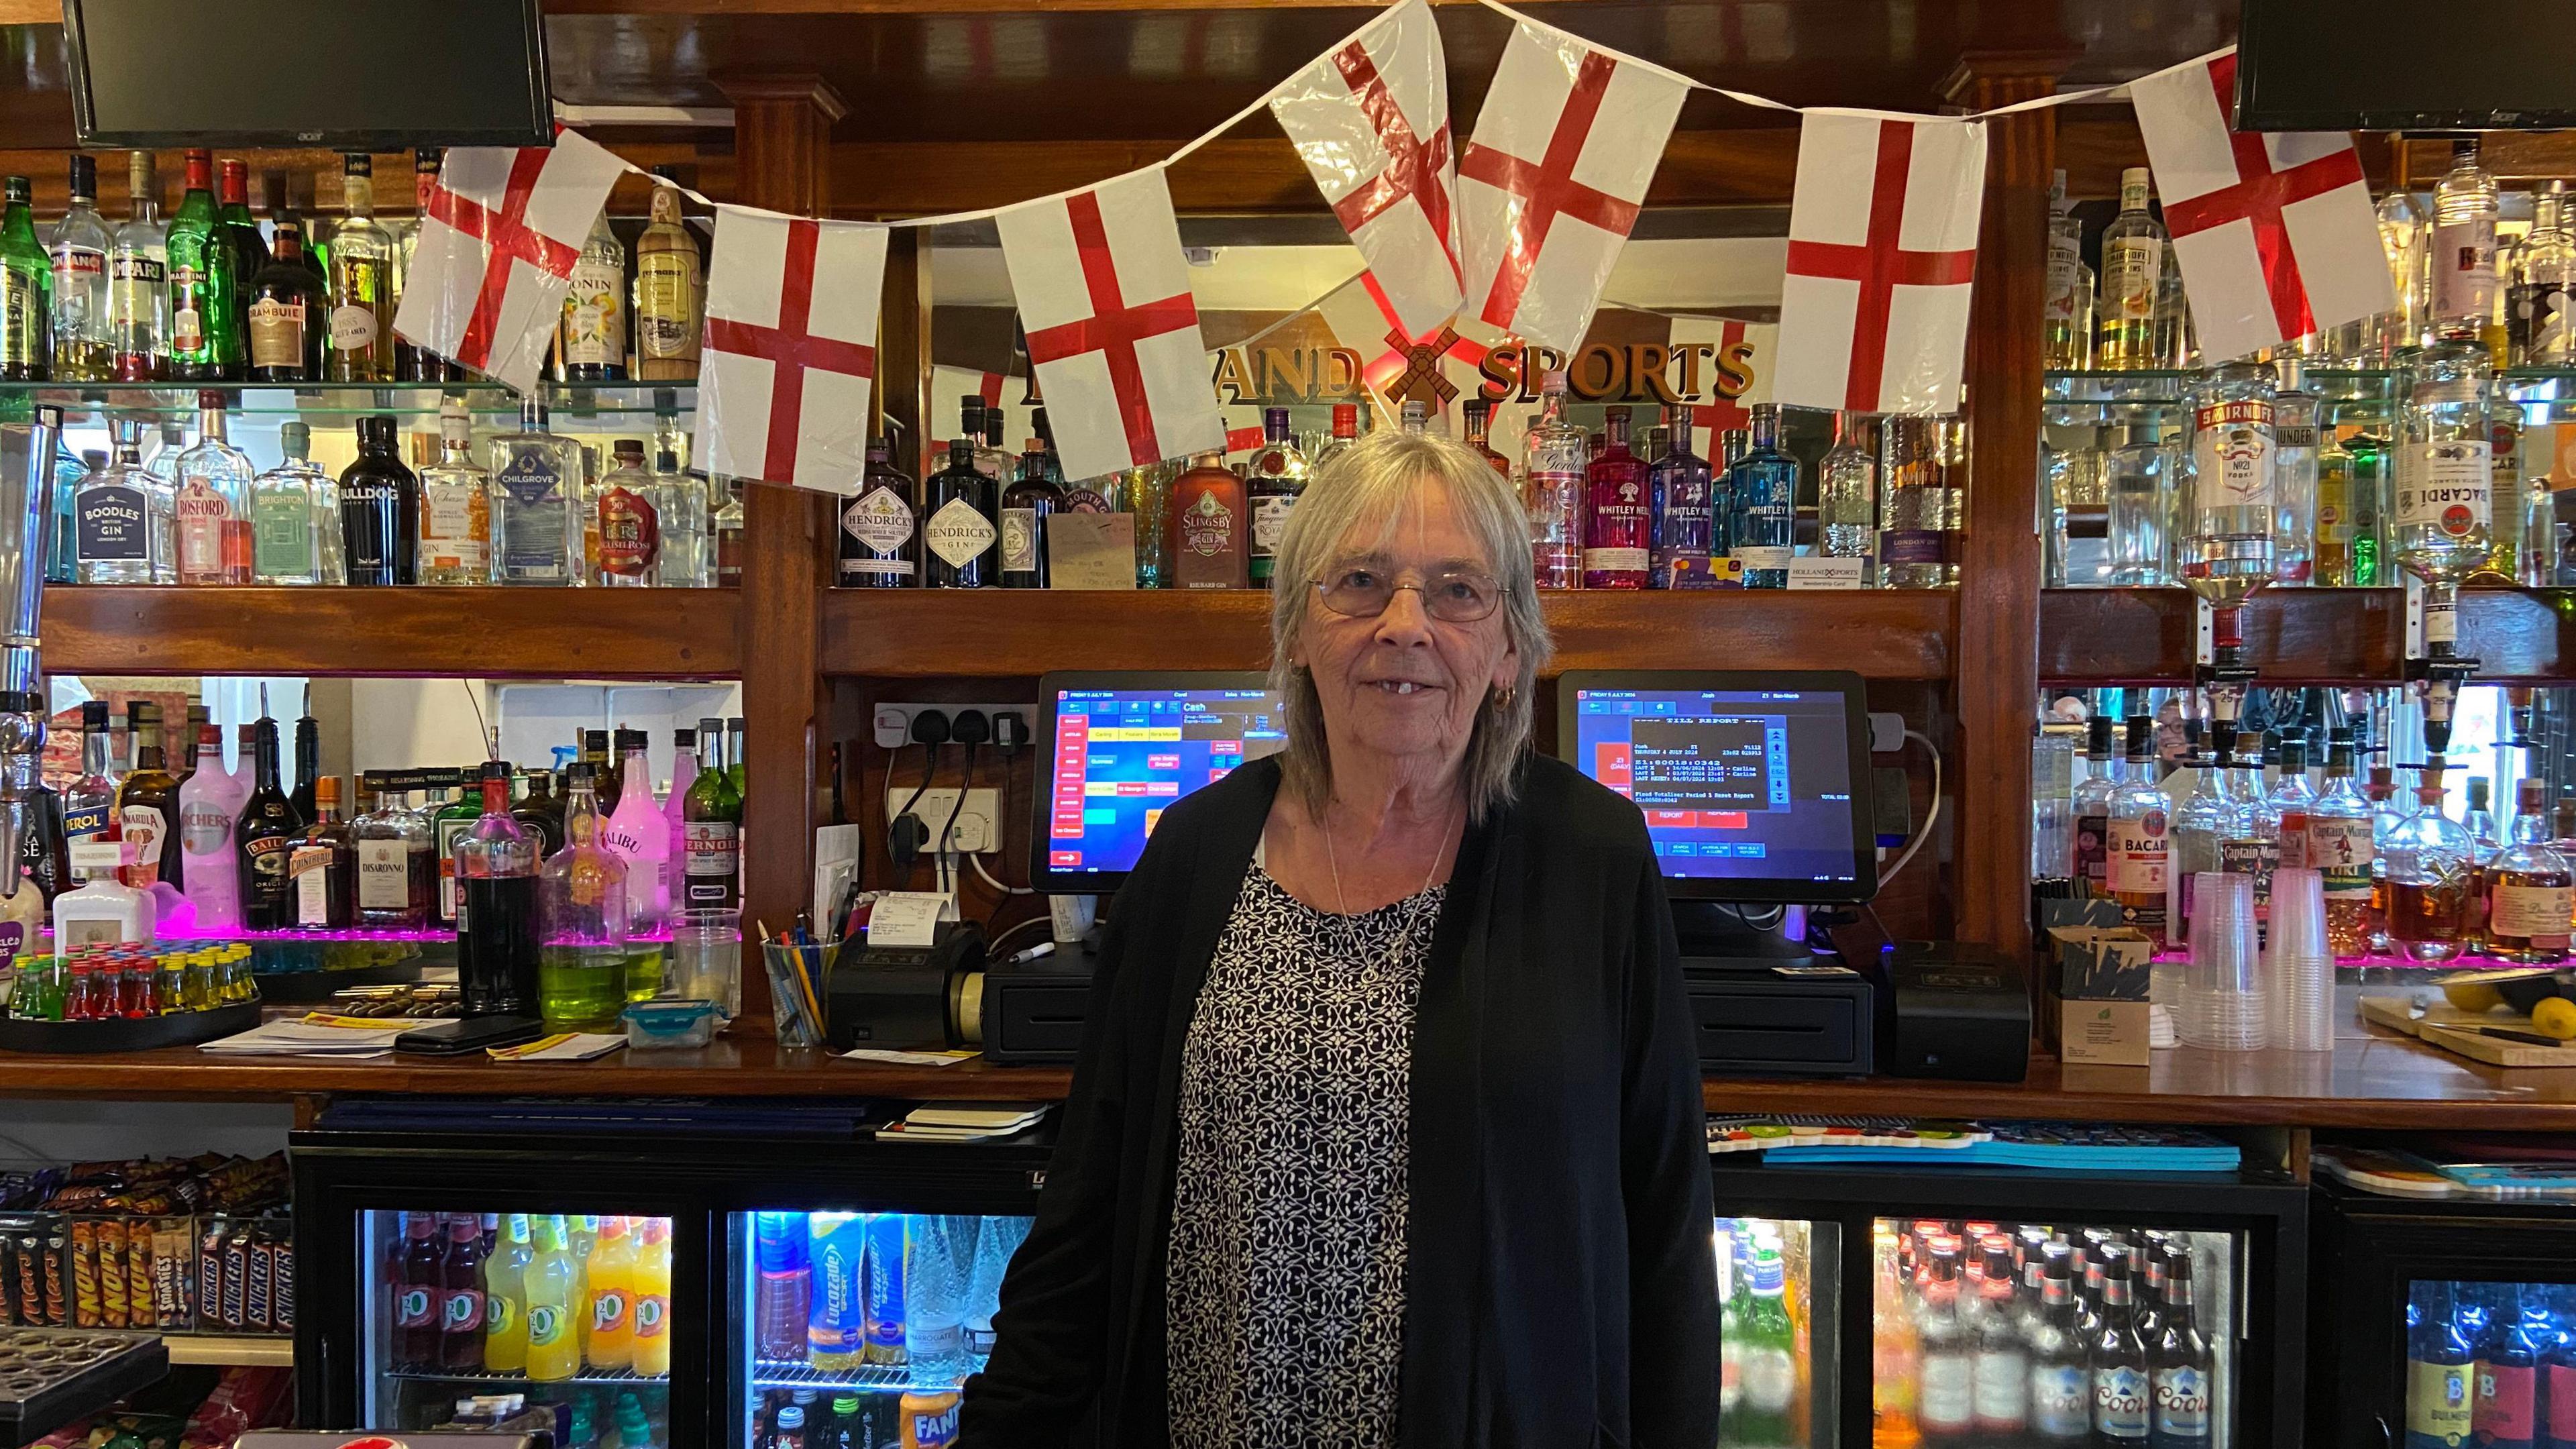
<point>1123,747</point>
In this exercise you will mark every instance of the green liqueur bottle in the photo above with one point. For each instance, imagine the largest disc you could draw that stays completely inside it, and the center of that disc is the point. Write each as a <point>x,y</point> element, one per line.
<point>205,324</point>
<point>711,829</point>
<point>26,292</point>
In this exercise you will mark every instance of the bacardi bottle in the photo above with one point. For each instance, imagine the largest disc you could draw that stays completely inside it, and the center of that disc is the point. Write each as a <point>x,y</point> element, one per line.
<point>2136,851</point>
<point>1619,528</point>
<point>2133,260</point>
<point>2445,504</point>
<point>1678,488</point>
<point>1554,455</point>
<point>1764,485</point>
<point>877,527</point>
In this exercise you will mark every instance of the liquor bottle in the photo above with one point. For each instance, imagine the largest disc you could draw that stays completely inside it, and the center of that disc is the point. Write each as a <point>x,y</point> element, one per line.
<point>726,524</point>
<point>711,825</point>
<point>147,807</point>
<point>540,812</point>
<point>211,509</point>
<point>2135,863</point>
<point>496,910</point>
<point>2133,259</point>
<point>1146,493</point>
<point>670,294</point>
<point>2537,311</point>
<point>250,248</point>
<point>2138,515</point>
<point>361,257</point>
<point>2068,324</point>
<point>536,527</point>
<point>2465,208</point>
<point>2091,807</point>
<point>2294,474</point>
<point>737,758</point>
<point>26,291</point>
<point>2176,345</point>
<point>958,526</point>
<point>2232,518</point>
<point>1945,1396</point>
<point>581,920</point>
<point>210,800</point>
<point>1479,415</point>
<point>419,364</point>
<point>395,862</point>
<point>448,823</point>
<point>876,545</point>
<point>77,250</point>
<point>1682,528</point>
<point>2061,1379</point>
<point>2440,524</point>
<point>2441,1391</point>
<point>379,509</point>
<point>205,345</point>
<point>1210,544</point>
<point>2352,476</point>
<point>455,507</point>
<point>1847,496</point>
<point>1765,488</point>
<point>2339,847</point>
<point>1910,525</point>
<point>641,837</point>
<point>294,509</point>
<point>1346,431</point>
<point>590,342</point>
<point>138,294</point>
<point>321,866</point>
<point>592,746</point>
<point>2426,861</point>
<point>122,523</point>
<point>263,838</point>
<point>675,809</point>
<point>1415,417</point>
<point>630,531</point>
<point>2288,805</point>
<point>1619,516</point>
<point>1274,478</point>
<point>2531,892</point>
<point>2194,839</point>
<point>284,311</point>
<point>90,820</point>
<point>2122,1390</point>
<point>1035,494</point>
<point>2507,504</point>
<point>1554,459</point>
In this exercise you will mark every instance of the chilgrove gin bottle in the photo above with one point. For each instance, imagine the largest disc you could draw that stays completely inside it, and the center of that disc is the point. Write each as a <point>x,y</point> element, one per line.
<point>536,503</point>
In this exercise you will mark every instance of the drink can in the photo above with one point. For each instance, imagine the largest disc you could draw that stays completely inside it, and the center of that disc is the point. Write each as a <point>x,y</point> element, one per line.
<point>885,1302</point>
<point>929,1420</point>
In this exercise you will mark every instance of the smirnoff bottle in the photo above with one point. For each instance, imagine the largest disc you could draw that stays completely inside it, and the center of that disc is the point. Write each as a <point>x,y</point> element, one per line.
<point>1617,535</point>
<point>1553,457</point>
<point>2230,526</point>
<point>2294,474</point>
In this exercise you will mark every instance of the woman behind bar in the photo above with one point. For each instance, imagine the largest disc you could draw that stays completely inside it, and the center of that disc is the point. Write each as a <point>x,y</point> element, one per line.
<point>1388,1129</point>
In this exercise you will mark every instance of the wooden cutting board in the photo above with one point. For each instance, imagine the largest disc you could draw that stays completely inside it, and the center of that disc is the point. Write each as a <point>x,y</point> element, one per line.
<point>2436,1028</point>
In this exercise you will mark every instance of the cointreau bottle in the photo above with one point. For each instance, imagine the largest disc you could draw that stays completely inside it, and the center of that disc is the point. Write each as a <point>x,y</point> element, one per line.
<point>1617,536</point>
<point>1210,536</point>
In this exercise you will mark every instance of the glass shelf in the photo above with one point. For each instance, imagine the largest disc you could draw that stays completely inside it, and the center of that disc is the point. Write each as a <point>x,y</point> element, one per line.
<point>2169,387</point>
<point>280,402</point>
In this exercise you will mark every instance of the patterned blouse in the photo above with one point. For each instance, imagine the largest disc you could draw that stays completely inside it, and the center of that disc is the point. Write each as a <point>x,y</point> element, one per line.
<point>1284,1296</point>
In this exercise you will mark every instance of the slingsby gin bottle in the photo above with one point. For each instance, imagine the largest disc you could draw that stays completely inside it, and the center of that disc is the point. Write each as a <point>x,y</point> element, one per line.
<point>536,518</point>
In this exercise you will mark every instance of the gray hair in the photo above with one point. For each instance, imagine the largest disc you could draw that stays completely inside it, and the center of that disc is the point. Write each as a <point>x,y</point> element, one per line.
<point>1364,485</point>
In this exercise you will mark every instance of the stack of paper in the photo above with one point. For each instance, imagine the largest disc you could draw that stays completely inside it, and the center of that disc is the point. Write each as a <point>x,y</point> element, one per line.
<point>565,1046</point>
<point>964,1121</point>
<point>317,1034</point>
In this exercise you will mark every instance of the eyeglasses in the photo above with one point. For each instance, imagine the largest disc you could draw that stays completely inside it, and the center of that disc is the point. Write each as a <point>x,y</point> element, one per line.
<point>1451,596</point>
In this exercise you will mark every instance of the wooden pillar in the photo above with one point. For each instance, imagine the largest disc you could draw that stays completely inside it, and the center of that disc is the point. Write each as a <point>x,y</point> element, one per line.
<point>903,350</point>
<point>782,147</point>
<point>1997,684</point>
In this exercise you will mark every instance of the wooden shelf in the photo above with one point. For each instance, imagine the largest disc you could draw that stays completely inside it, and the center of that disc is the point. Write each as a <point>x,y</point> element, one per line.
<point>482,632</point>
<point>1882,633</point>
<point>2300,636</point>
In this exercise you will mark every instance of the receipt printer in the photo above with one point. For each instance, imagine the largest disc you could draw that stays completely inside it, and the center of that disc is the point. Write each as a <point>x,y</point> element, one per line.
<point>1954,1011</point>
<point>907,997</point>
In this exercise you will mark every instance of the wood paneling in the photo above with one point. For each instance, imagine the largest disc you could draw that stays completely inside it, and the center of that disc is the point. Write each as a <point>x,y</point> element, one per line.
<point>377,633</point>
<point>2301,636</point>
<point>1883,634</point>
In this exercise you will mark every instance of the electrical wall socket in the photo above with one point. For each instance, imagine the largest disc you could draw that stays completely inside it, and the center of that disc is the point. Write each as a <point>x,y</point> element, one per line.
<point>893,722</point>
<point>978,830</point>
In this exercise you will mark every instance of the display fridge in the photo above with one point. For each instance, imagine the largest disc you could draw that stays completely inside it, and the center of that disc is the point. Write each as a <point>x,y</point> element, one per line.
<point>2452,1321</point>
<point>1898,1305</point>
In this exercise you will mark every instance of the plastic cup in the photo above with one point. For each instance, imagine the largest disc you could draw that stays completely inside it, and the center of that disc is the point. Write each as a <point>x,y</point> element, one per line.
<point>2222,997</point>
<point>706,959</point>
<point>2298,968</point>
<point>793,970</point>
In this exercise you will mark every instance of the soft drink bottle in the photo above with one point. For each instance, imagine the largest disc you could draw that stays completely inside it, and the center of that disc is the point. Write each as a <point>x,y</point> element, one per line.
<point>652,1312</point>
<point>836,1321</point>
<point>505,1301</point>
<point>634,1431</point>
<point>886,1288</point>
<point>786,1287</point>
<point>937,1269</point>
<point>1770,1357</point>
<point>2558,1369</point>
<point>554,1344</point>
<point>612,1297</point>
<point>929,1418</point>
<point>416,1293</point>
<point>460,1308</point>
<point>994,1245</point>
<point>581,1234</point>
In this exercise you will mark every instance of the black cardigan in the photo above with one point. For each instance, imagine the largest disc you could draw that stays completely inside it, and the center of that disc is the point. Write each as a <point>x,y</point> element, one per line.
<point>1560,1278</point>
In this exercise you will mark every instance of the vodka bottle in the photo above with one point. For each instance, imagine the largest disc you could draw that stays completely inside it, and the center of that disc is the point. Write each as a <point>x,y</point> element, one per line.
<point>1554,458</point>
<point>2133,260</point>
<point>2406,239</point>
<point>2227,552</point>
<point>2294,476</point>
<point>2464,241</point>
<point>1847,495</point>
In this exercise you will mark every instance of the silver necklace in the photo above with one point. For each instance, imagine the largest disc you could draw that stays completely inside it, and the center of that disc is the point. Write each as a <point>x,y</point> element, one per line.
<point>1341,902</point>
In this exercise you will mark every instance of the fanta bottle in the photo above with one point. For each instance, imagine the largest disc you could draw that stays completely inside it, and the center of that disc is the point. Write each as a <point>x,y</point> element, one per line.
<point>928,1418</point>
<point>554,1343</point>
<point>505,1299</point>
<point>612,1297</point>
<point>652,1295</point>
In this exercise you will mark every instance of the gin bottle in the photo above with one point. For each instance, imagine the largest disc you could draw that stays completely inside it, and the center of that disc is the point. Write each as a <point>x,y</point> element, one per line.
<point>121,519</point>
<point>680,500</point>
<point>1616,538</point>
<point>1847,495</point>
<point>536,522</point>
<point>1764,483</point>
<point>877,527</point>
<point>1273,479</point>
<point>380,509</point>
<point>138,296</point>
<point>1035,496</point>
<point>2538,313</point>
<point>1554,453</point>
<point>212,504</point>
<point>1912,514</point>
<point>1678,488</point>
<point>2294,476</point>
<point>289,507</point>
<point>2133,259</point>
<point>79,244</point>
<point>455,506</point>
<point>958,506</point>
<point>2465,208</point>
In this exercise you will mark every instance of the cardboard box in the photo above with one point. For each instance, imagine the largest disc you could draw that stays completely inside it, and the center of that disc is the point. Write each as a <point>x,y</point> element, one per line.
<point>2103,1033</point>
<point>2101,963</point>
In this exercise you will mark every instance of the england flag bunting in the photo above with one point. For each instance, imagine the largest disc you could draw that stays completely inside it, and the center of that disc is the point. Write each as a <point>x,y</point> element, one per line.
<point>1371,122</point>
<point>1733,373</point>
<point>1549,187</point>
<point>497,244</point>
<point>1882,249</point>
<point>1104,295</point>
<point>1439,362</point>
<point>788,363</point>
<point>2274,232</point>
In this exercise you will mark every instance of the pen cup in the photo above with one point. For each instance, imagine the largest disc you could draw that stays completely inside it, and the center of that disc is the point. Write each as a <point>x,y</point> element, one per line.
<point>796,988</point>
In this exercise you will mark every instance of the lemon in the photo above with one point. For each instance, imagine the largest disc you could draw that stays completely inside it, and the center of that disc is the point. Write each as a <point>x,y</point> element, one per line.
<point>2555,1017</point>
<point>2472,995</point>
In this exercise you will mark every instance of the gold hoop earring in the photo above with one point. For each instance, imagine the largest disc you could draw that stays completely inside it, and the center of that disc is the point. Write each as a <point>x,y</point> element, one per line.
<point>1503,700</point>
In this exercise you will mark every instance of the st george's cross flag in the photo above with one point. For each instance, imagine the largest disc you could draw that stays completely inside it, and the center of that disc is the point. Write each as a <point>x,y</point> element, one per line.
<point>497,243</point>
<point>1371,122</point>
<point>788,364</point>
<point>1549,187</point>
<point>2274,231</point>
<point>1882,251</point>
<point>1104,295</point>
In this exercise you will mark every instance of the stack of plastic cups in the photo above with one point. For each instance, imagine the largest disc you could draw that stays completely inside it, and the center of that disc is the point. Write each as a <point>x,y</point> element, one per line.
<point>2298,966</point>
<point>2222,992</point>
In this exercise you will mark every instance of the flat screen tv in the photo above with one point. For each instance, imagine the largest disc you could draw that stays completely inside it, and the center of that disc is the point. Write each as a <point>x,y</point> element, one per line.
<point>2333,65</point>
<point>351,75</point>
